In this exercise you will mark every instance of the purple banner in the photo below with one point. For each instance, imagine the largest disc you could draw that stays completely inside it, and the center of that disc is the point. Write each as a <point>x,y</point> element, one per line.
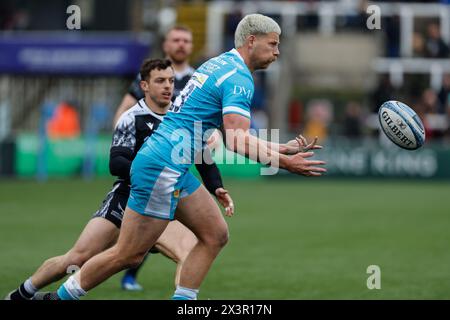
<point>72,53</point>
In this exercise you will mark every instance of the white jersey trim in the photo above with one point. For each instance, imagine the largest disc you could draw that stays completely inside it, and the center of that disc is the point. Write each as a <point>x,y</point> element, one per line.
<point>144,105</point>
<point>235,52</point>
<point>238,110</point>
<point>225,77</point>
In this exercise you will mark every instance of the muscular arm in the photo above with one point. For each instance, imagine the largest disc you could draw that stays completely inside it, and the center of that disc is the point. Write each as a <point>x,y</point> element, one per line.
<point>120,159</point>
<point>122,147</point>
<point>238,139</point>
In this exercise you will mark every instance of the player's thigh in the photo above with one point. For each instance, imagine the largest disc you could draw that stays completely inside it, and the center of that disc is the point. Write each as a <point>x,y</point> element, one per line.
<point>139,233</point>
<point>98,235</point>
<point>154,194</point>
<point>176,241</point>
<point>103,229</point>
<point>200,213</point>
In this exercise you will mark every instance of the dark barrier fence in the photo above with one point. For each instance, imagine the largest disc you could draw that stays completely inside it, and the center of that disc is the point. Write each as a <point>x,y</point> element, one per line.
<point>7,158</point>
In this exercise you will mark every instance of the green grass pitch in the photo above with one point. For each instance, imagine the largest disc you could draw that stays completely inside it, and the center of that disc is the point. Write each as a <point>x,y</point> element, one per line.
<point>289,239</point>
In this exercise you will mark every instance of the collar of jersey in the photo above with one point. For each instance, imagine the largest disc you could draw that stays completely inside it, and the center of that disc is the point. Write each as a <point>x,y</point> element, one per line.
<point>235,52</point>
<point>156,115</point>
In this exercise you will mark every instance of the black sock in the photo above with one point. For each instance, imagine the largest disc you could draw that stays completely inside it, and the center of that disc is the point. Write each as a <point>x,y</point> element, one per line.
<point>21,294</point>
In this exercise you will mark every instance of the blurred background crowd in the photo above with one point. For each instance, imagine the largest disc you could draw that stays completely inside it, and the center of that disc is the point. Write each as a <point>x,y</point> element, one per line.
<point>333,74</point>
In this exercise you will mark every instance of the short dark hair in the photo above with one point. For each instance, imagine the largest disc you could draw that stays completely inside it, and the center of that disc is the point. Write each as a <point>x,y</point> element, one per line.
<point>151,64</point>
<point>179,27</point>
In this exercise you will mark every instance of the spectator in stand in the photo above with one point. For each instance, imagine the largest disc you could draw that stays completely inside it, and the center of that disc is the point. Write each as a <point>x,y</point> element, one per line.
<point>430,101</point>
<point>420,109</point>
<point>319,117</point>
<point>444,95</point>
<point>418,45</point>
<point>435,47</point>
<point>64,123</point>
<point>352,120</point>
<point>385,91</point>
<point>13,16</point>
<point>295,115</point>
<point>431,105</point>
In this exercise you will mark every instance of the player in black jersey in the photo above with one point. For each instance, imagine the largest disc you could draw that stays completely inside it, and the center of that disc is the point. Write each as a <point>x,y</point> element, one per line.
<point>102,231</point>
<point>177,47</point>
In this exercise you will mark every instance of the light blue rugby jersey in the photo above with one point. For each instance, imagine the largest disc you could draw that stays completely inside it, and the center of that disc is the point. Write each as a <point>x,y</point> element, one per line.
<point>222,85</point>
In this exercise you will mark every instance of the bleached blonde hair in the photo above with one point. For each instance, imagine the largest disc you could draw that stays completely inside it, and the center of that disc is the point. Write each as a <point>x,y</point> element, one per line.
<point>254,24</point>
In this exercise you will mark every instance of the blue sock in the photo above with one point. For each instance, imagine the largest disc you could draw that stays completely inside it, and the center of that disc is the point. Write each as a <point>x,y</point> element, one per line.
<point>70,290</point>
<point>182,293</point>
<point>63,294</point>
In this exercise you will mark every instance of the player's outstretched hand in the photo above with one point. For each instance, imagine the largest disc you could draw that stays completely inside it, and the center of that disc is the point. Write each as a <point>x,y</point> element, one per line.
<point>225,201</point>
<point>300,144</point>
<point>300,165</point>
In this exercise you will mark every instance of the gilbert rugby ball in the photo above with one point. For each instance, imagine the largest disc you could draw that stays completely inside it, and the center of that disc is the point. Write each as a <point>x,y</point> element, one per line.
<point>401,125</point>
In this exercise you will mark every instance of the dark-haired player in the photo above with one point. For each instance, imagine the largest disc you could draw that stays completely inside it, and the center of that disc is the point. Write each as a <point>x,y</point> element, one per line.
<point>102,231</point>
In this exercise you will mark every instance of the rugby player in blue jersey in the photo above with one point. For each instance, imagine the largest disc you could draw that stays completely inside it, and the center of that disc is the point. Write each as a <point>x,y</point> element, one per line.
<point>218,94</point>
<point>133,127</point>
<point>177,47</point>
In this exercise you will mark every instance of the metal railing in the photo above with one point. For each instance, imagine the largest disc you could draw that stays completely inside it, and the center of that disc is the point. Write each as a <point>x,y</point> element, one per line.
<point>22,97</point>
<point>327,13</point>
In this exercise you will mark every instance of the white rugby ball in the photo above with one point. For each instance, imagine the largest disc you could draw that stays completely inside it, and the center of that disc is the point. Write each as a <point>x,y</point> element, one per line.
<point>401,125</point>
